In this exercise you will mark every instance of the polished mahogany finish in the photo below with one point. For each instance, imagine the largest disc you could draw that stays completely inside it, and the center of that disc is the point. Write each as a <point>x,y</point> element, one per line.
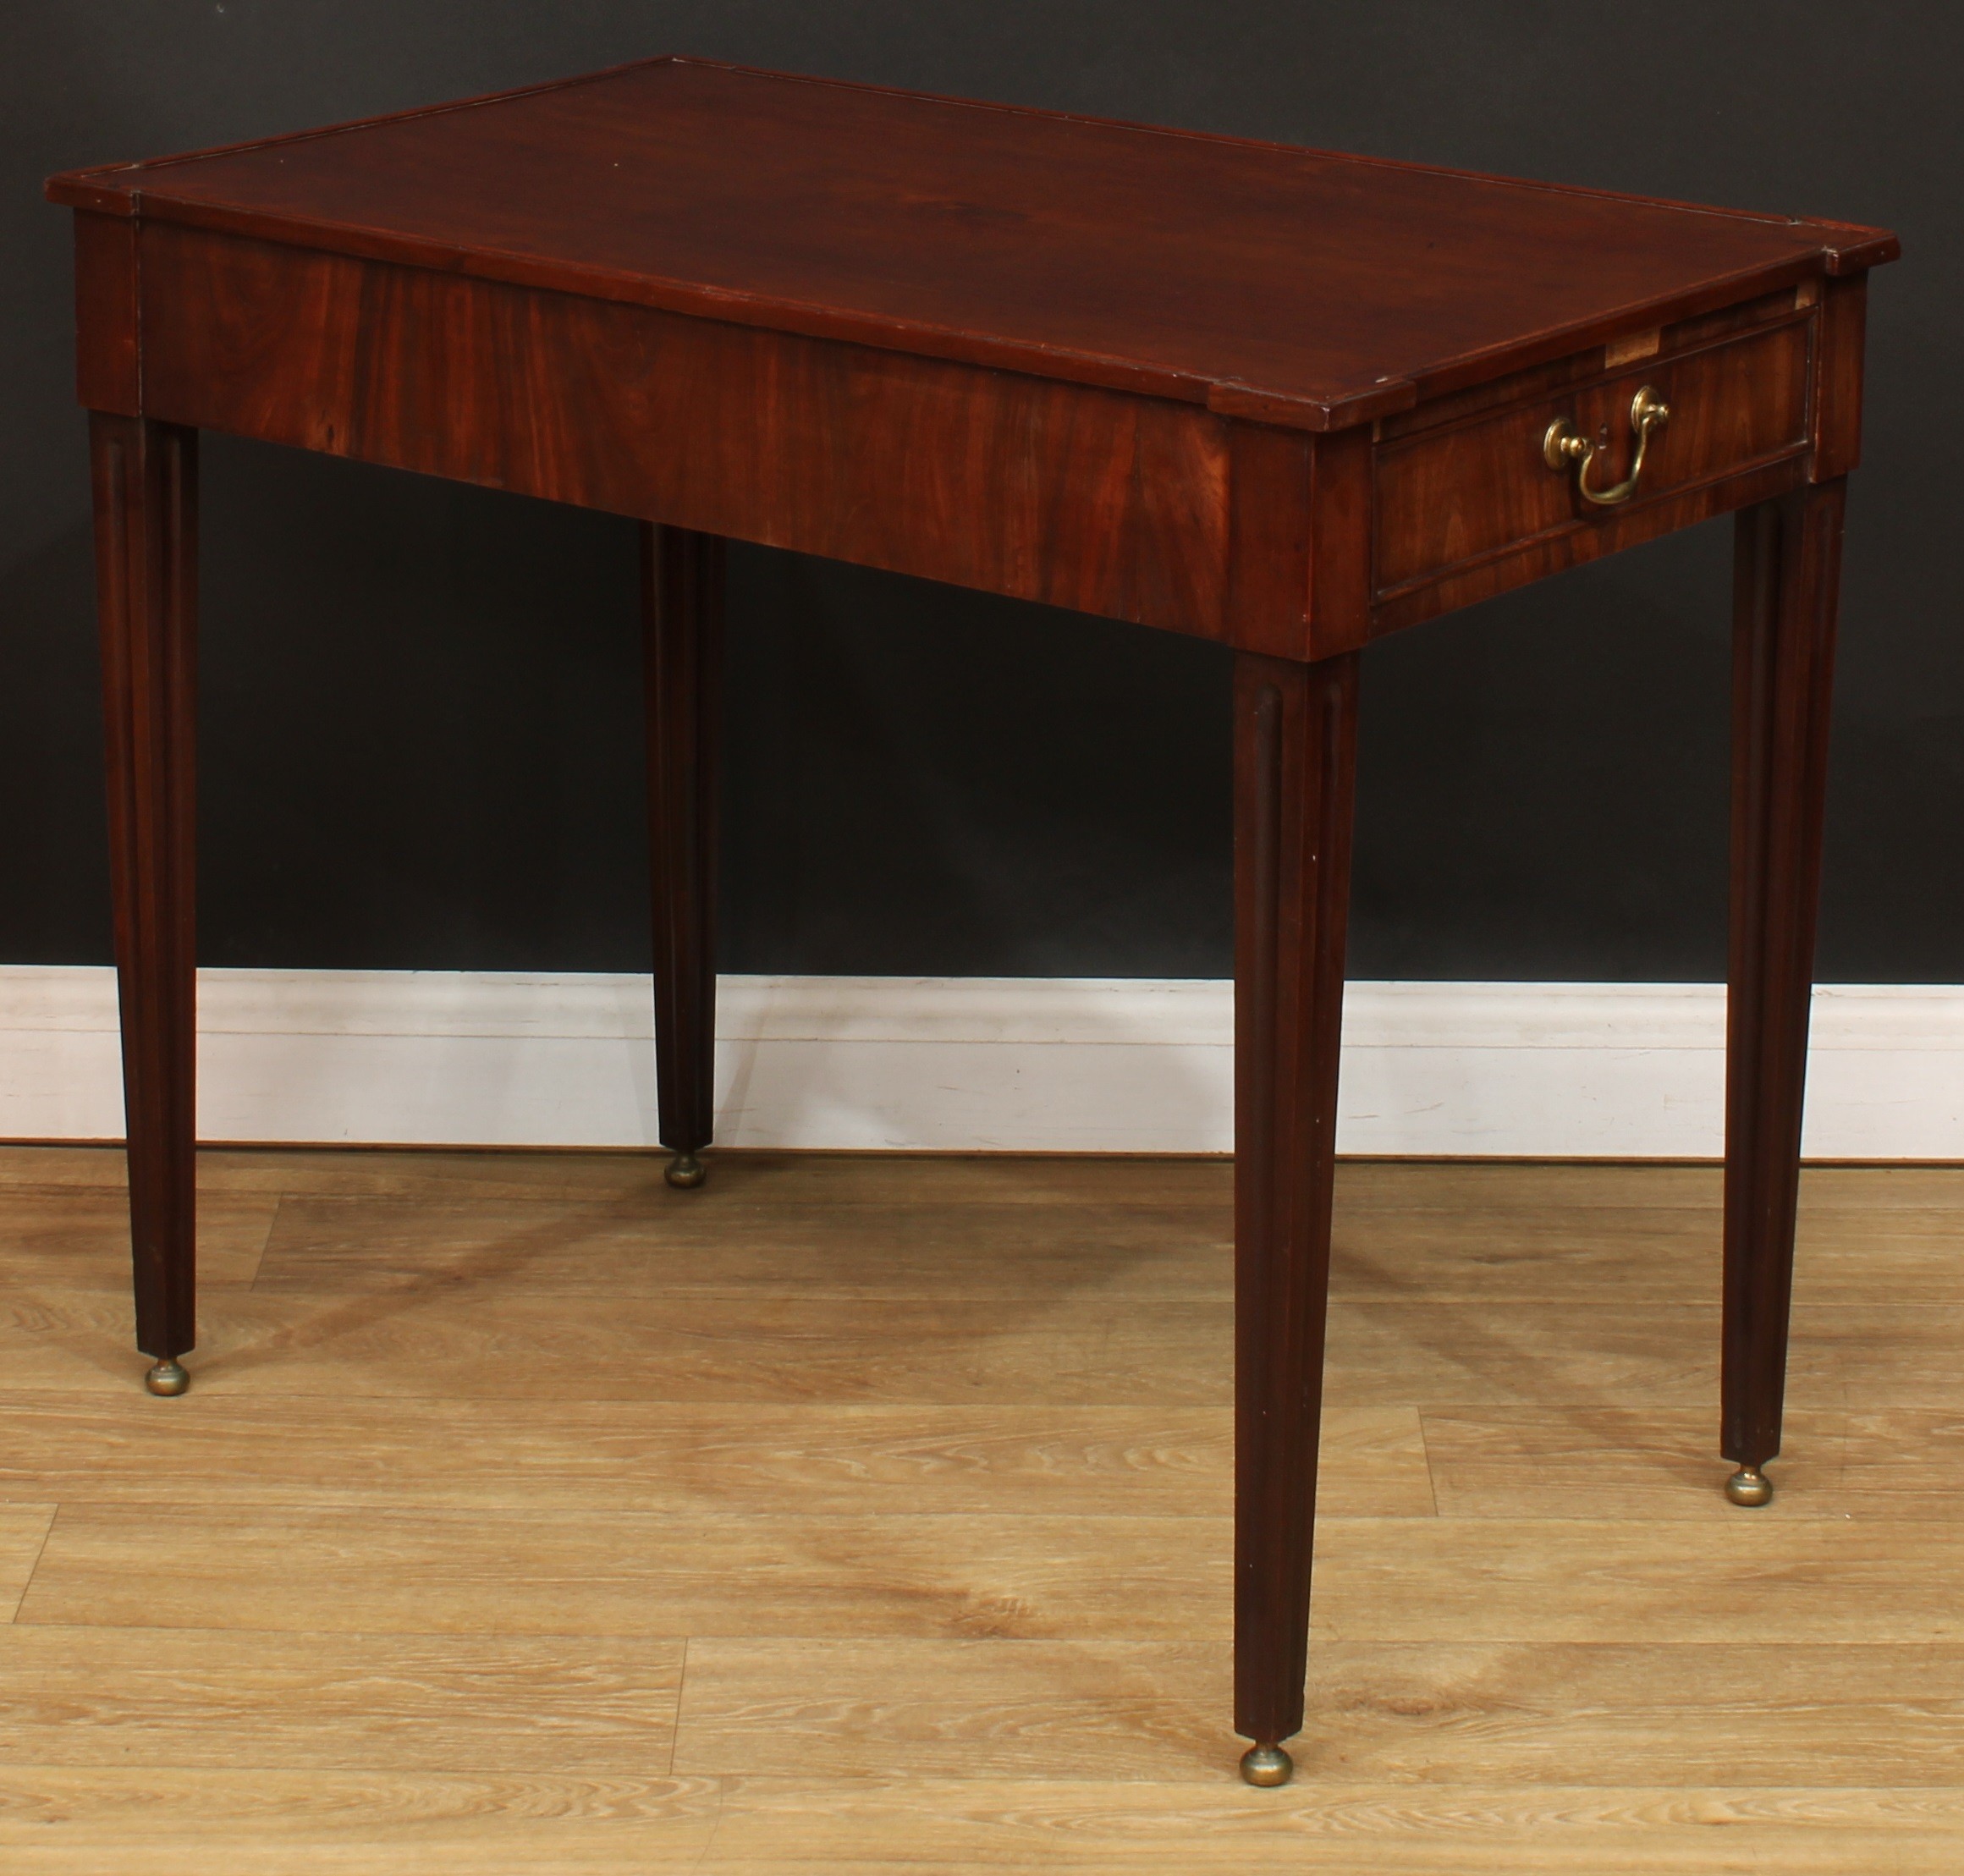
<point>1295,739</point>
<point>1456,520</point>
<point>755,305</point>
<point>1787,561</point>
<point>1292,285</point>
<point>682,617</point>
<point>1283,399</point>
<point>1094,499</point>
<point>146,539</point>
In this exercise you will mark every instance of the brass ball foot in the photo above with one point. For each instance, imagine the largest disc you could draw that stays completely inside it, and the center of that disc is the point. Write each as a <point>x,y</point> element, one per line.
<point>167,1377</point>
<point>686,1172</point>
<point>1749,1486</point>
<point>1267,1765</point>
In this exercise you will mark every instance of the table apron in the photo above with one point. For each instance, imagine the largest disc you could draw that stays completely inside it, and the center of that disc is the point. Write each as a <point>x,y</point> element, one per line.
<point>1126,505</point>
<point>1076,496</point>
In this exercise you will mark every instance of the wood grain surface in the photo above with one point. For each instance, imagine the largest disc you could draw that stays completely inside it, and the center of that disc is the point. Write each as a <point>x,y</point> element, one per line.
<point>1285,284</point>
<point>1084,498</point>
<point>1462,497</point>
<point>734,1573</point>
<point>145,476</point>
<point>1285,398</point>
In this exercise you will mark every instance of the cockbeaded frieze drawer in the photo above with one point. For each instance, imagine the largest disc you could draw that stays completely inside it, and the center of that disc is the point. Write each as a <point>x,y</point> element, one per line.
<point>1478,492</point>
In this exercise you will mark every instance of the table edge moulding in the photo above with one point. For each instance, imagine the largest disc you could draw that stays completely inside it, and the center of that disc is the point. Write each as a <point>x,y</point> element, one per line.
<point>1284,399</point>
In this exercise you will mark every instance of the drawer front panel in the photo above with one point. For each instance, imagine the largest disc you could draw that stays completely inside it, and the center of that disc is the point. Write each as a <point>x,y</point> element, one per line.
<point>1451,498</point>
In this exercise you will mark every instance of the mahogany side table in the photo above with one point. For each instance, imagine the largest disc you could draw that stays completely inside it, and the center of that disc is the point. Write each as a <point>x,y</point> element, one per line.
<point>1277,398</point>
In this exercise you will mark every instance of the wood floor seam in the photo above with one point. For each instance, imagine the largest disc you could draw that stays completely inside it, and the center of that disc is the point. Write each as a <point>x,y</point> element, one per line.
<point>265,1241</point>
<point>681,1689</point>
<point>33,1563</point>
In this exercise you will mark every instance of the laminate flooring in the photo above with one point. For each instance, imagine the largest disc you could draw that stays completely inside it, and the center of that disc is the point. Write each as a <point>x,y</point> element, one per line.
<point>866,1513</point>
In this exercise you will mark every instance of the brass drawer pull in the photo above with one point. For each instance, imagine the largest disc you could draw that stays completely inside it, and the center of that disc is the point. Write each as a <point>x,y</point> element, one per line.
<point>1565,444</point>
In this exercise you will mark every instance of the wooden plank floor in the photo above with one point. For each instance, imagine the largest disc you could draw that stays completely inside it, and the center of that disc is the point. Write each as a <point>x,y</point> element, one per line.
<point>863,1514</point>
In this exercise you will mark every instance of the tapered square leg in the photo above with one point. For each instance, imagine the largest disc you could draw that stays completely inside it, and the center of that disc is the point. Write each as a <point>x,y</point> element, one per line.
<point>1786,585</point>
<point>146,500</point>
<point>1295,761</point>
<point>682,611</point>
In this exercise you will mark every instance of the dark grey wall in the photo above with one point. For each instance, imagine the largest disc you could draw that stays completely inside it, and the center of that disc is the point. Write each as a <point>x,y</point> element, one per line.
<point>421,738</point>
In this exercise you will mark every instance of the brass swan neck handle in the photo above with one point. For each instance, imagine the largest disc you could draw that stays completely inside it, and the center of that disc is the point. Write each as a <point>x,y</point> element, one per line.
<point>1565,444</point>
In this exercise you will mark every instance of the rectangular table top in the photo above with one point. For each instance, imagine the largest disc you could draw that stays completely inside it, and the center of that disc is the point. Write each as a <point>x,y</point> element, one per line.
<point>1308,288</point>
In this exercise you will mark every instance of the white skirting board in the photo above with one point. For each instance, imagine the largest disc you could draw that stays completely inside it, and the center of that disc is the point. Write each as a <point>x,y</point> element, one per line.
<point>494,1059</point>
